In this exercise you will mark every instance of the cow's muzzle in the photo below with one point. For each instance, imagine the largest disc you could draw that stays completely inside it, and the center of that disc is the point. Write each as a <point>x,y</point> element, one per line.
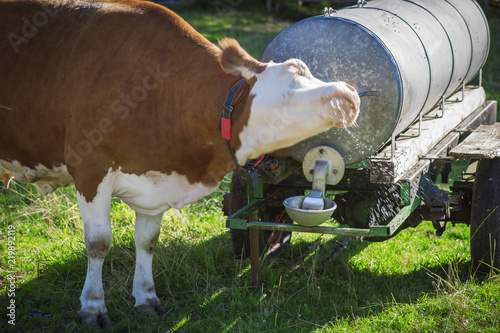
<point>343,105</point>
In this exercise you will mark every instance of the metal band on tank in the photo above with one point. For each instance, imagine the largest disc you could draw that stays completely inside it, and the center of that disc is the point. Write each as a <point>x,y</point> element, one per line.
<point>387,51</point>
<point>449,41</point>
<point>470,38</point>
<point>487,29</point>
<point>423,46</point>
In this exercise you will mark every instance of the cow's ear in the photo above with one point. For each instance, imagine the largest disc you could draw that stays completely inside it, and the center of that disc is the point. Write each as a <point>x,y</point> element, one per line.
<point>235,60</point>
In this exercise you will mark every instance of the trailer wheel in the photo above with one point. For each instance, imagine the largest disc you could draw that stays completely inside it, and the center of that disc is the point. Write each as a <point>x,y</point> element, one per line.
<point>485,217</point>
<point>271,242</point>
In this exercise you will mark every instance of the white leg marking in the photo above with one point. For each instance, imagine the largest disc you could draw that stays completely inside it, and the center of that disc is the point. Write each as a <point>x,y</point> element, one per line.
<point>147,230</point>
<point>98,237</point>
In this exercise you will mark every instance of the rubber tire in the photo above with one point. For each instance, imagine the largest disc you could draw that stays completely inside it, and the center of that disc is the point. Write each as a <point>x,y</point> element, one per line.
<point>241,238</point>
<point>485,217</point>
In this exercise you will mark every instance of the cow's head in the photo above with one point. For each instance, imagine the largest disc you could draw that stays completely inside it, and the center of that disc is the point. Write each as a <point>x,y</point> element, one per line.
<point>287,104</point>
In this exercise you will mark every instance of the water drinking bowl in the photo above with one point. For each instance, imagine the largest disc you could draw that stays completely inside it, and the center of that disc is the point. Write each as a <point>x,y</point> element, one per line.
<point>308,217</point>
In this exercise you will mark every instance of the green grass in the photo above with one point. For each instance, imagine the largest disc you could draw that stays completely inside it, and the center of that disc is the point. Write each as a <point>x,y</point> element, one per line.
<point>415,282</point>
<point>491,70</point>
<point>253,29</point>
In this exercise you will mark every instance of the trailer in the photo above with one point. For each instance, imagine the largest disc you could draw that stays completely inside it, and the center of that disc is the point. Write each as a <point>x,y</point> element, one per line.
<point>411,61</point>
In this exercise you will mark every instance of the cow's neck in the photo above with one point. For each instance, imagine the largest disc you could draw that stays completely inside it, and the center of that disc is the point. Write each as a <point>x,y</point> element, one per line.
<point>240,114</point>
<point>239,118</point>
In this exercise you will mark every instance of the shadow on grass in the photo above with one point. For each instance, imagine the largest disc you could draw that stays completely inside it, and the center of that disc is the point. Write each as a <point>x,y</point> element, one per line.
<point>203,288</point>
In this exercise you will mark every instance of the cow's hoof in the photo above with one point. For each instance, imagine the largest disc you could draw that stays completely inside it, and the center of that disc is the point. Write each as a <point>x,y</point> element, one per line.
<point>153,305</point>
<point>91,319</point>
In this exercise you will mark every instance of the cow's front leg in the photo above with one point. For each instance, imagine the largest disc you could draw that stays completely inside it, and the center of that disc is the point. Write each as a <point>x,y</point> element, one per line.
<point>147,230</point>
<point>98,237</point>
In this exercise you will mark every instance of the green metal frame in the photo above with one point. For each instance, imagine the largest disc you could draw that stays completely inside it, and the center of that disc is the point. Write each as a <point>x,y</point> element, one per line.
<point>239,220</point>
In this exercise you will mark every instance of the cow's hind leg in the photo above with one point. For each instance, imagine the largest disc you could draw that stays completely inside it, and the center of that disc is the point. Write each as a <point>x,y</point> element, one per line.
<point>147,230</point>
<point>98,238</point>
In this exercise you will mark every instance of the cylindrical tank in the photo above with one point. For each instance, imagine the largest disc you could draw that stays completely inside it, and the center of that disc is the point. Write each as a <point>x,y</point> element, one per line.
<point>413,51</point>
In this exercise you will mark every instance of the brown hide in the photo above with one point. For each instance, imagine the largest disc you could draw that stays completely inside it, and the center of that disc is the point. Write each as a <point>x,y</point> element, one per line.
<point>124,84</point>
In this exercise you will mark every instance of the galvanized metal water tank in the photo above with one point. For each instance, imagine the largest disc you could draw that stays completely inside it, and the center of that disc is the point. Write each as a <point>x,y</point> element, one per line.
<point>412,51</point>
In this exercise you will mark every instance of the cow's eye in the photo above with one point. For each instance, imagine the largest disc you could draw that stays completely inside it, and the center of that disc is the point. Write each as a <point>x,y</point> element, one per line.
<point>295,68</point>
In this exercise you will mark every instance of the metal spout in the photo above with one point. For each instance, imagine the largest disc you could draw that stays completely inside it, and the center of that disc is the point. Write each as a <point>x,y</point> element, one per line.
<point>314,201</point>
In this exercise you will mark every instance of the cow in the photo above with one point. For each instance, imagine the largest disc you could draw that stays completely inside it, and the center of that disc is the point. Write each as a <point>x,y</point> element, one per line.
<point>124,99</point>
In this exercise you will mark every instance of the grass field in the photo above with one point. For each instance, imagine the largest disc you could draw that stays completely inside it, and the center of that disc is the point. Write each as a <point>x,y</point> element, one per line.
<point>415,282</point>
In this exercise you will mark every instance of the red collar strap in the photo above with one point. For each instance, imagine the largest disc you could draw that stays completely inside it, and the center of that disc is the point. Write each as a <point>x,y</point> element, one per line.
<point>225,127</point>
<point>227,110</point>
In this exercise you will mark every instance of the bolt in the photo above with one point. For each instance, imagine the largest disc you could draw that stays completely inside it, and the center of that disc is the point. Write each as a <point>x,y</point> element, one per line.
<point>311,171</point>
<point>321,151</point>
<point>335,171</point>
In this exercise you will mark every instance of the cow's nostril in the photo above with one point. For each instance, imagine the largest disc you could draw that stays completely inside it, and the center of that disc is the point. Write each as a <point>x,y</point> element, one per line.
<point>350,87</point>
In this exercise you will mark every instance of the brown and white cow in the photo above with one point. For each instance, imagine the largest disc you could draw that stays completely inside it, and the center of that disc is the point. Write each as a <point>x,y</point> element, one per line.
<point>123,99</point>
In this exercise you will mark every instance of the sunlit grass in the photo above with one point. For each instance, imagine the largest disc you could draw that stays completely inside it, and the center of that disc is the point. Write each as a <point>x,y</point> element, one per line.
<point>415,281</point>
<point>253,30</point>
